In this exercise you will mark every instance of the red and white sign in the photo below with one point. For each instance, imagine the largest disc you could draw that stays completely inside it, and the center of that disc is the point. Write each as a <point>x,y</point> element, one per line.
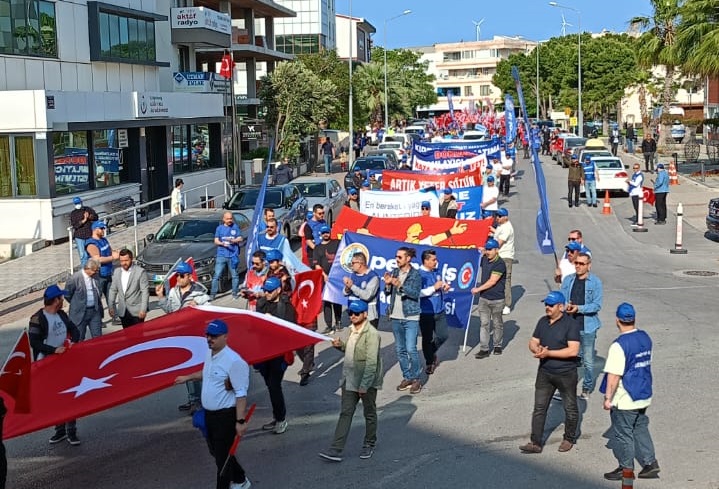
<point>405,181</point>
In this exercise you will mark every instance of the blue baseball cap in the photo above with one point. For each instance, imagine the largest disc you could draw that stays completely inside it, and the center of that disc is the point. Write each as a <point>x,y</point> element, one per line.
<point>365,183</point>
<point>553,298</point>
<point>183,268</point>
<point>626,313</point>
<point>573,246</point>
<point>660,166</point>
<point>491,244</point>
<point>216,327</point>
<point>54,291</point>
<point>502,212</point>
<point>352,191</point>
<point>98,225</point>
<point>447,191</point>
<point>490,178</point>
<point>574,157</point>
<point>587,158</point>
<point>273,255</point>
<point>309,215</point>
<point>489,166</point>
<point>325,229</point>
<point>77,200</point>
<point>357,306</point>
<point>426,205</point>
<point>271,284</point>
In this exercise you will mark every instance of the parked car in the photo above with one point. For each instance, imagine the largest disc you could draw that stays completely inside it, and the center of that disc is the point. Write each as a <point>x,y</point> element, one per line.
<point>557,146</point>
<point>571,147</point>
<point>389,153</point>
<point>612,175</point>
<point>395,146</point>
<point>398,137</point>
<point>594,152</point>
<point>378,163</point>
<point>325,191</point>
<point>190,234</point>
<point>713,217</point>
<point>287,202</point>
<point>474,135</point>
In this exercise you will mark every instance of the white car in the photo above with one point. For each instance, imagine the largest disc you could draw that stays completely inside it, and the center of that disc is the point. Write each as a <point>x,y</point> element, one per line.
<point>474,135</point>
<point>325,191</point>
<point>397,147</point>
<point>612,175</point>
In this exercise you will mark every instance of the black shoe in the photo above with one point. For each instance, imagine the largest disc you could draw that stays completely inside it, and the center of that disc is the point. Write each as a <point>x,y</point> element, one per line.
<point>482,354</point>
<point>576,204</point>
<point>570,205</point>
<point>614,475</point>
<point>594,205</point>
<point>185,407</point>
<point>650,471</point>
<point>497,350</point>
<point>305,379</point>
<point>57,437</point>
<point>73,440</point>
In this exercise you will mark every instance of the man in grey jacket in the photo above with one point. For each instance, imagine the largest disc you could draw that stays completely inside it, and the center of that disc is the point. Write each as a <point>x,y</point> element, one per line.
<point>83,294</point>
<point>129,296</point>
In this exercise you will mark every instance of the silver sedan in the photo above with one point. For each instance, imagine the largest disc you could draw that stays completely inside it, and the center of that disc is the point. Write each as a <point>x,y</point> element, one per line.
<point>322,190</point>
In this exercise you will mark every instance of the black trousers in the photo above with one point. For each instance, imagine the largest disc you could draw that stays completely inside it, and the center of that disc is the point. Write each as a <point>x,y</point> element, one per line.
<point>130,320</point>
<point>220,436</point>
<point>544,388</point>
<point>661,205</point>
<point>635,204</point>
<point>434,334</point>
<point>573,188</point>
<point>273,371</point>
<point>103,284</point>
<point>327,309</point>
<point>504,184</point>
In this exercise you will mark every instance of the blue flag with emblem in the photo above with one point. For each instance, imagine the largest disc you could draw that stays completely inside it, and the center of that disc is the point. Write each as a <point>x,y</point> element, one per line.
<point>545,241</point>
<point>252,244</point>
<point>510,120</point>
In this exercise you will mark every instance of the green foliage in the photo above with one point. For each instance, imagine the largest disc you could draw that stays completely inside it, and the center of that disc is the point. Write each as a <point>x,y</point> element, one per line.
<point>260,152</point>
<point>698,37</point>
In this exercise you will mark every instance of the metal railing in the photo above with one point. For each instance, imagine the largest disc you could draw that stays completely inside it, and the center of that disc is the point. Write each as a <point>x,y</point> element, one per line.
<point>226,193</point>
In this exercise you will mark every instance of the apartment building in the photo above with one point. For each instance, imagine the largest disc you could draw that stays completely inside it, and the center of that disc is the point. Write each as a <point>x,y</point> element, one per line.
<point>311,31</point>
<point>354,38</point>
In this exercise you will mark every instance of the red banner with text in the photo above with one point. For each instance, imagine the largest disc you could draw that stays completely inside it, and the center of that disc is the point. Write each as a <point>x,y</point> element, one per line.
<point>406,180</point>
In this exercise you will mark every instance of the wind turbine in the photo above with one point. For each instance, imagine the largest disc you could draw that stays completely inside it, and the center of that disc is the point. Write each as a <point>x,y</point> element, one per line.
<point>477,24</point>
<point>565,24</point>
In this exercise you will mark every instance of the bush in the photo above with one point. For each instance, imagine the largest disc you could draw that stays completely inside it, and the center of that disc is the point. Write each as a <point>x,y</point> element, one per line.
<point>260,152</point>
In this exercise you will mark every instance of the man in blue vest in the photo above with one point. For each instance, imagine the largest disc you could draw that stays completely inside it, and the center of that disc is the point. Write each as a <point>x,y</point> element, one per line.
<point>627,389</point>
<point>98,247</point>
<point>432,318</point>
<point>591,177</point>
<point>227,240</point>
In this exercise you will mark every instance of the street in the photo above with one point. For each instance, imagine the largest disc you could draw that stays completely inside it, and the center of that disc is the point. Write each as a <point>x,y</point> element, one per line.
<point>464,428</point>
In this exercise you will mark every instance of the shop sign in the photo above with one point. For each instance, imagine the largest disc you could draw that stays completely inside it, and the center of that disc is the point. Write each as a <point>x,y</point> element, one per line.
<point>201,18</point>
<point>151,105</point>
<point>251,132</point>
<point>199,82</point>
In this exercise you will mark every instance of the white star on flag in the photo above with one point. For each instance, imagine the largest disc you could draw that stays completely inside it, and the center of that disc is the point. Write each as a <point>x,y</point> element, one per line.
<point>86,385</point>
<point>304,303</point>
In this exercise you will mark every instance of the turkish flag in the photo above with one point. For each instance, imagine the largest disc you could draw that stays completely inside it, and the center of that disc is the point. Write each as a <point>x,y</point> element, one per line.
<point>15,374</point>
<point>226,68</point>
<point>307,296</point>
<point>172,276</point>
<point>649,197</point>
<point>119,367</point>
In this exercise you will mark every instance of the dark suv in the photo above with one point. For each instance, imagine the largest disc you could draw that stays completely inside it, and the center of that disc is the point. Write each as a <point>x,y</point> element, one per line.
<point>377,163</point>
<point>713,217</point>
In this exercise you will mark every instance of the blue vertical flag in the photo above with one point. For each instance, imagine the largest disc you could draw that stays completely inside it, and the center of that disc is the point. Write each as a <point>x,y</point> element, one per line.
<point>253,245</point>
<point>545,241</point>
<point>510,120</point>
<point>450,104</point>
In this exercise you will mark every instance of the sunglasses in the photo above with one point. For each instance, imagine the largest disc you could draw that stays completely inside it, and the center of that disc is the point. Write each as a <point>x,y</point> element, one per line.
<point>257,263</point>
<point>352,313</point>
<point>425,208</point>
<point>183,275</point>
<point>583,263</point>
<point>572,239</point>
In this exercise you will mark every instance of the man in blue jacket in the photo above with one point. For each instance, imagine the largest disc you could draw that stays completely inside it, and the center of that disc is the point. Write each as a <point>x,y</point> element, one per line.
<point>661,189</point>
<point>627,388</point>
<point>583,291</point>
<point>432,318</point>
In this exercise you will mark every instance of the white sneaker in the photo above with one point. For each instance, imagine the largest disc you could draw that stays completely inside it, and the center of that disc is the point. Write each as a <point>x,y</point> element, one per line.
<point>243,485</point>
<point>280,427</point>
<point>506,310</point>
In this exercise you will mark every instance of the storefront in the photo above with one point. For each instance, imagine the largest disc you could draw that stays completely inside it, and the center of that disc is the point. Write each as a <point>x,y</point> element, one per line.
<point>100,146</point>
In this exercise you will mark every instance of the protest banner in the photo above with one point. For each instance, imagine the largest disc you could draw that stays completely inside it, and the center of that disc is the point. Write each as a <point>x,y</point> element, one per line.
<point>397,204</point>
<point>450,157</point>
<point>406,181</point>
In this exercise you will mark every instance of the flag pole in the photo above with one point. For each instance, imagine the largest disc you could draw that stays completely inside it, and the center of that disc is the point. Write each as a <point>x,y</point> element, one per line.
<point>236,151</point>
<point>12,350</point>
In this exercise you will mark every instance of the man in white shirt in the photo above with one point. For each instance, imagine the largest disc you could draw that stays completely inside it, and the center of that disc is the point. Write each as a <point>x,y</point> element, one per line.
<point>176,203</point>
<point>129,296</point>
<point>226,378</point>
<point>566,264</point>
<point>83,294</point>
<point>505,174</point>
<point>635,190</point>
<point>490,195</point>
<point>504,235</point>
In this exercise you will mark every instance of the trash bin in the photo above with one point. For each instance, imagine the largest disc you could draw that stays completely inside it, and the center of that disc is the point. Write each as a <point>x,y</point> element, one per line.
<point>207,202</point>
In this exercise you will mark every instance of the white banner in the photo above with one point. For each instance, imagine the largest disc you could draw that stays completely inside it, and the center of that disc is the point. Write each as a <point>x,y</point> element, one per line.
<point>378,203</point>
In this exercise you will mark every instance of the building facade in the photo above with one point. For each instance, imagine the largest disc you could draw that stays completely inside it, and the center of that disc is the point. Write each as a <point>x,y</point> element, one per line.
<point>354,38</point>
<point>311,31</point>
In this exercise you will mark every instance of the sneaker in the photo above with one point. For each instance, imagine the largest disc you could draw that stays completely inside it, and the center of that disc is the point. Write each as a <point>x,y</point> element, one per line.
<point>241,485</point>
<point>73,440</point>
<point>565,446</point>
<point>305,379</point>
<point>185,407</point>
<point>332,455</point>
<point>497,350</point>
<point>57,437</point>
<point>557,396</point>
<point>338,326</point>
<point>404,385</point>
<point>594,205</point>
<point>530,448</point>
<point>269,426</point>
<point>416,387</point>
<point>366,452</point>
<point>481,354</point>
<point>584,395</point>
<point>280,427</point>
<point>506,310</point>
<point>650,471</point>
<point>614,475</point>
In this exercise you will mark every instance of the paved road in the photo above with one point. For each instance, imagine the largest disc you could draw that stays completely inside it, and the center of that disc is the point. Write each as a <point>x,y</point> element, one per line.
<point>464,428</point>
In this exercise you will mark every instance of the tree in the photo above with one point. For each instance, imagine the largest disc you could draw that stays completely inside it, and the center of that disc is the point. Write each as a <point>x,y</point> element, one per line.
<point>296,100</point>
<point>698,37</point>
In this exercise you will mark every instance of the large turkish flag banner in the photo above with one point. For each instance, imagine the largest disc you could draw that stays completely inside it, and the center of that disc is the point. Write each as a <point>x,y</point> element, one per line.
<point>103,372</point>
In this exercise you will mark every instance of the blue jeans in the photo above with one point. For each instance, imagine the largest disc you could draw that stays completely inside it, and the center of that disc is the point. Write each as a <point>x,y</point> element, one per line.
<point>631,437</point>
<point>405,342</point>
<point>590,191</point>
<point>80,243</point>
<point>630,146</point>
<point>220,263</point>
<point>587,355</point>
<point>328,163</point>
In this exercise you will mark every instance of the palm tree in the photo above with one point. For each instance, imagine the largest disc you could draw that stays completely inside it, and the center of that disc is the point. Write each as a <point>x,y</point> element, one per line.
<point>657,46</point>
<point>369,87</point>
<point>698,36</point>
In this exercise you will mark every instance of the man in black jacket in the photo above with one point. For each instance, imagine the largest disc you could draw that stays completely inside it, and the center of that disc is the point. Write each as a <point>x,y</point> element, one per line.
<point>649,147</point>
<point>283,173</point>
<point>49,330</point>
<point>81,218</point>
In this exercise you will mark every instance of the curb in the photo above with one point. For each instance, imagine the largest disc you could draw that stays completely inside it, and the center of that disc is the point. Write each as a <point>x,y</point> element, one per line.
<point>54,279</point>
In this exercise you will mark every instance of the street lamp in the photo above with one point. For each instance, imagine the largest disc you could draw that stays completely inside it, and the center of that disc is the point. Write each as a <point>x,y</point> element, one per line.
<point>386,104</point>
<point>350,149</point>
<point>580,114</point>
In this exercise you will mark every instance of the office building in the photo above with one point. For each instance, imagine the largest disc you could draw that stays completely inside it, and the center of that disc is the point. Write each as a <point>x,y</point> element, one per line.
<point>311,31</point>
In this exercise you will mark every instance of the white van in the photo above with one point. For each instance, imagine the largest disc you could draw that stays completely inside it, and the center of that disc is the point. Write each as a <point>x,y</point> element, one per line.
<point>398,137</point>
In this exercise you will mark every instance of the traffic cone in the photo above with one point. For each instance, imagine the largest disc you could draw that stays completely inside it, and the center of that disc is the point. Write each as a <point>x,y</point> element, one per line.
<point>607,207</point>
<point>627,478</point>
<point>673,177</point>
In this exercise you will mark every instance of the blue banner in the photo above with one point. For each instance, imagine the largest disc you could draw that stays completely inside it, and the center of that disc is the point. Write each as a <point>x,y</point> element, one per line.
<point>510,120</point>
<point>545,241</point>
<point>108,159</point>
<point>450,104</point>
<point>448,157</point>
<point>468,202</point>
<point>253,245</point>
<point>458,267</point>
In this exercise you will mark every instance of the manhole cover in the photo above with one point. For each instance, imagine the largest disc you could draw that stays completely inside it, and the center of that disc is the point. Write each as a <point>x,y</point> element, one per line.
<point>700,273</point>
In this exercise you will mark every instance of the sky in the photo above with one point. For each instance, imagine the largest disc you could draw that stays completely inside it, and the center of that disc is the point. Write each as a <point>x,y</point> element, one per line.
<point>433,21</point>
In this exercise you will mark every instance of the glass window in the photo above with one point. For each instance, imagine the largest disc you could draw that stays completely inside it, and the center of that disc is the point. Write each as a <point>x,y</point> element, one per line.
<point>104,39</point>
<point>109,159</point>
<point>124,35</point>
<point>72,172</point>
<point>27,27</point>
<point>484,90</point>
<point>5,167</point>
<point>180,150</point>
<point>114,36</point>
<point>126,38</point>
<point>150,40</point>
<point>25,166</point>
